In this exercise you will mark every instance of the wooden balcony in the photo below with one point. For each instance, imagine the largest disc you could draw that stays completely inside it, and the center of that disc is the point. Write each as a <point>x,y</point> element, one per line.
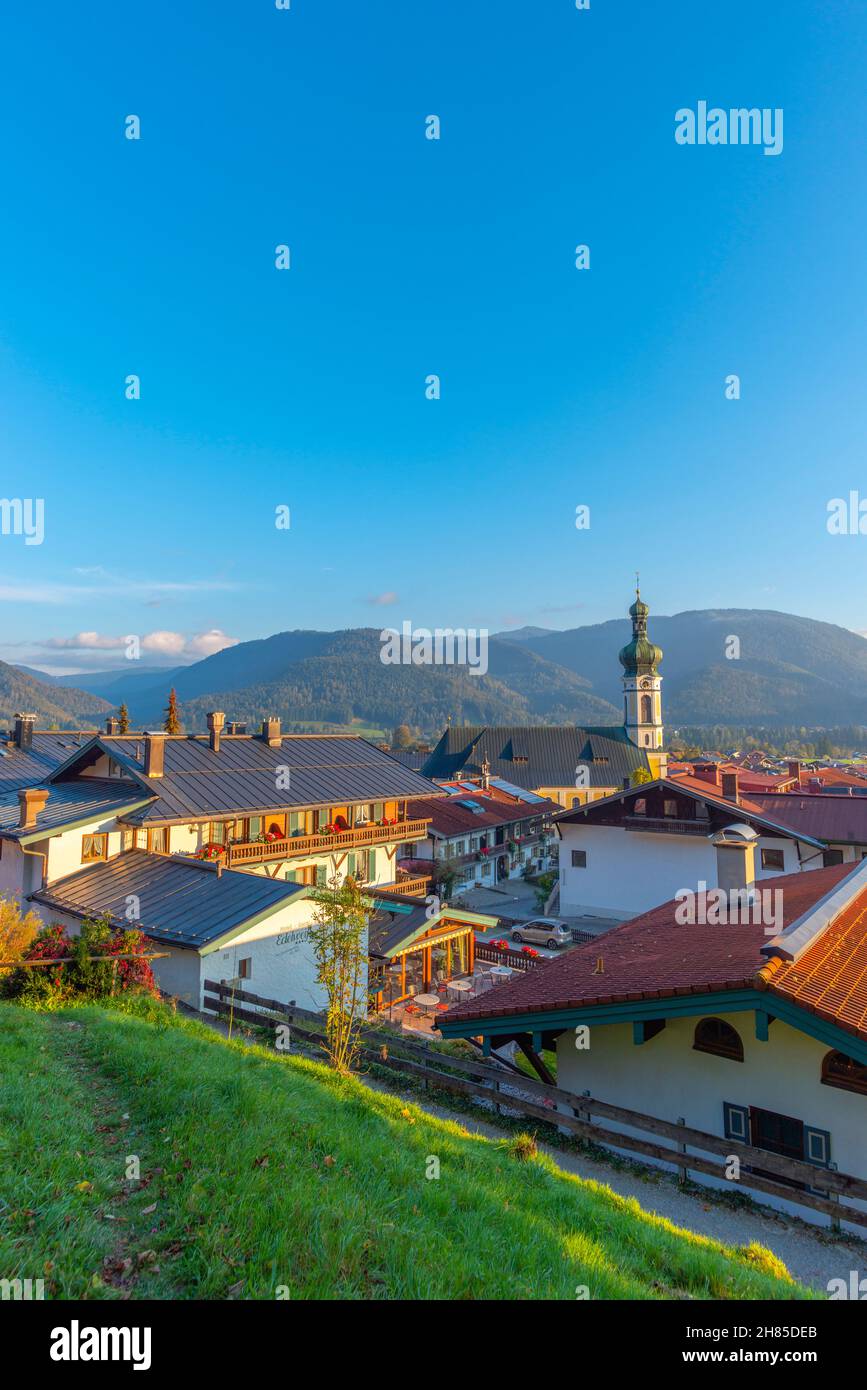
<point>667,825</point>
<point>409,887</point>
<point>359,837</point>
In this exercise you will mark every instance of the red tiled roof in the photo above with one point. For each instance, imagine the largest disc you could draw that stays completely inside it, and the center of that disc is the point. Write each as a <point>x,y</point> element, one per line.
<point>448,817</point>
<point>830,977</point>
<point>654,957</point>
<point>828,817</point>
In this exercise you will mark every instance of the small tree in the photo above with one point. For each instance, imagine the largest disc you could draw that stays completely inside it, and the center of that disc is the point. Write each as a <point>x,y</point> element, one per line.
<point>338,936</point>
<point>401,736</point>
<point>123,718</point>
<point>640,776</point>
<point>172,723</point>
<point>17,931</point>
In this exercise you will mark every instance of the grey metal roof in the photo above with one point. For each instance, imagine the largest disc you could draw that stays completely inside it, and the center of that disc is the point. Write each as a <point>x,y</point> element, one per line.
<point>69,804</point>
<point>182,902</point>
<point>243,775</point>
<point>392,923</point>
<point>27,768</point>
<point>552,754</point>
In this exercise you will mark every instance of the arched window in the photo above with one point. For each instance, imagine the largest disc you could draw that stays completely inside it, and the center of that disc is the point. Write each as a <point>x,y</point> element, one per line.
<point>646,710</point>
<point>712,1035</point>
<point>844,1072</point>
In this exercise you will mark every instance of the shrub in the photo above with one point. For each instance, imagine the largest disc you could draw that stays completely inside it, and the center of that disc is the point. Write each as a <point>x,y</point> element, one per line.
<point>17,931</point>
<point>80,977</point>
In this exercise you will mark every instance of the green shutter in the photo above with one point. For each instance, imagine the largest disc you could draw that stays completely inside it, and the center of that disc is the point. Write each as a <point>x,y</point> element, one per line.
<point>321,876</point>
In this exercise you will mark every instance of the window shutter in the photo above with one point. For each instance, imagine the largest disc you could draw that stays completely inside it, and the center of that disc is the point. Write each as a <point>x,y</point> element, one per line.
<point>736,1122</point>
<point>817,1146</point>
<point>291,876</point>
<point>321,876</point>
<point>350,863</point>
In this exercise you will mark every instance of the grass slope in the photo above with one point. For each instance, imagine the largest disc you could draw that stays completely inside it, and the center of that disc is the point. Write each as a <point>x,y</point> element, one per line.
<point>259,1171</point>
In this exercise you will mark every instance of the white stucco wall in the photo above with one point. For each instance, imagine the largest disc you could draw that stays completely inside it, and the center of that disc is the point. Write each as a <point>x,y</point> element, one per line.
<point>64,851</point>
<point>668,1079</point>
<point>629,871</point>
<point>283,963</point>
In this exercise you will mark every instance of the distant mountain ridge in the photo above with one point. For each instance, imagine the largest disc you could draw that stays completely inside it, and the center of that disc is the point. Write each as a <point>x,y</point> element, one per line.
<point>790,670</point>
<point>65,706</point>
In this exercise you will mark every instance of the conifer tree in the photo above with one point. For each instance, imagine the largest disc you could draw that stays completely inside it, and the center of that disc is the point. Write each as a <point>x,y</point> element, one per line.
<point>172,723</point>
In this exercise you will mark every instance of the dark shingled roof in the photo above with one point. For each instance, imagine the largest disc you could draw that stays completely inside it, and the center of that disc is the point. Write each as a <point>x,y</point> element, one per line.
<point>552,754</point>
<point>28,768</point>
<point>246,775</point>
<point>69,804</point>
<point>182,902</point>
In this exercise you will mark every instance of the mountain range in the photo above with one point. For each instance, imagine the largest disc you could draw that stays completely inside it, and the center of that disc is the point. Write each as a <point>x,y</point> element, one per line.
<point>720,666</point>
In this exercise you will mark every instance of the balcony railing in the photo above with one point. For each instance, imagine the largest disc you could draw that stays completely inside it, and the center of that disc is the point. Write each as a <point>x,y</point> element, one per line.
<point>667,825</point>
<point>257,851</point>
<point>410,887</point>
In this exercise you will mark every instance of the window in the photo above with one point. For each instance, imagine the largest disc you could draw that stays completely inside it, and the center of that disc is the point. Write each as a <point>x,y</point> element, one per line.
<point>639,806</point>
<point>831,856</point>
<point>579,859</point>
<point>158,840</point>
<point>719,1038</point>
<point>736,1122</point>
<point>845,1073</point>
<point>93,847</point>
<point>669,807</point>
<point>245,968</point>
<point>773,859</point>
<point>646,710</point>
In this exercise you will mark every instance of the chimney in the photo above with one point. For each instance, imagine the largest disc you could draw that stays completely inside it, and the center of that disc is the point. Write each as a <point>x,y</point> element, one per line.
<point>271,732</point>
<point>154,754</point>
<point>235,726</point>
<point>707,772</point>
<point>216,720</point>
<point>730,788</point>
<point>31,801</point>
<point>24,730</point>
<point>735,858</point>
<point>112,724</point>
<point>486,774</point>
<point>795,771</point>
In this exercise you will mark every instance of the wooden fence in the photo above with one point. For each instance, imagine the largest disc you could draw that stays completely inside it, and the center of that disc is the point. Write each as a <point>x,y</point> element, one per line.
<point>484,1081</point>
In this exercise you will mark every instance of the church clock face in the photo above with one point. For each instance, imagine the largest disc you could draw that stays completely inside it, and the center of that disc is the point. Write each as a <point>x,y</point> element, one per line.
<point>645,684</point>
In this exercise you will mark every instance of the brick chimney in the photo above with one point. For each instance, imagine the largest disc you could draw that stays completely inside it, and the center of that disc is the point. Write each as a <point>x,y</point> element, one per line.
<point>112,724</point>
<point>707,772</point>
<point>271,732</point>
<point>216,720</point>
<point>24,730</point>
<point>730,786</point>
<point>154,754</point>
<point>795,771</point>
<point>31,801</point>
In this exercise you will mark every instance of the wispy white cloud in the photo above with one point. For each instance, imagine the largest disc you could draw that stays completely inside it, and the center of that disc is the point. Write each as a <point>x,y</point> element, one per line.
<point>109,585</point>
<point>159,643</point>
<point>383,600</point>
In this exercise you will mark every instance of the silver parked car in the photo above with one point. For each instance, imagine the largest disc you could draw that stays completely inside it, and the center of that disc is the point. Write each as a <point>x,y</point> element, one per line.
<point>543,931</point>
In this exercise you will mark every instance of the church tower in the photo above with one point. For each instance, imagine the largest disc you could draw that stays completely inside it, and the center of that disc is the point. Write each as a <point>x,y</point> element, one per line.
<point>642,683</point>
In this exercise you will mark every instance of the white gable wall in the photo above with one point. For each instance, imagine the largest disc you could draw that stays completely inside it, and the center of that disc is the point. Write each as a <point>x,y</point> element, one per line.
<point>630,871</point>
<point>668,1079</point>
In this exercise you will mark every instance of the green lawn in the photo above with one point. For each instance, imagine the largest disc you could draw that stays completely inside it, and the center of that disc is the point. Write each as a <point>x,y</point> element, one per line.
<point>260,1171</point>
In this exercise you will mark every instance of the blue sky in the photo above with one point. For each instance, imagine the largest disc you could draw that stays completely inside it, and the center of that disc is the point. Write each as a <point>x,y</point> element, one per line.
<point>306,388</point>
